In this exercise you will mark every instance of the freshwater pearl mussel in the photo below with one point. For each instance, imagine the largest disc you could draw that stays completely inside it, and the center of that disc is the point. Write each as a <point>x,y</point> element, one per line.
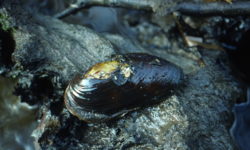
<point>126,82</point>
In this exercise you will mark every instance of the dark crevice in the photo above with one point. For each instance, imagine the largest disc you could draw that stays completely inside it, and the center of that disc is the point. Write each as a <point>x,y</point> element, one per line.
<point>236,44</point>
<point>42,87</point>
<point>7,47</point>
<point>56,107</point>
<point>39,91</point>
<point>71,129</point>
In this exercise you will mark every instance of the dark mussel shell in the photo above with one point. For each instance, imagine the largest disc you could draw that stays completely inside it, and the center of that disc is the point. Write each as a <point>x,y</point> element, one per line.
<point>126,82</point>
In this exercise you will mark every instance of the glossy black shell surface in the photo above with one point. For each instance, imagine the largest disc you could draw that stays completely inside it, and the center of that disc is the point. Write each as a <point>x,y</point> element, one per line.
<point>134,80</point>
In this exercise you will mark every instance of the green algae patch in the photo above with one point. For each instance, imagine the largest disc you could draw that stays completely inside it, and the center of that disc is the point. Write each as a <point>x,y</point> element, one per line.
<point>5,24</point>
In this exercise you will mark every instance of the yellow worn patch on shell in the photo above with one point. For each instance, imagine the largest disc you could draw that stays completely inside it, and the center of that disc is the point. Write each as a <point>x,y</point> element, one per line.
<point>126,70</point>
<point>102,70</point>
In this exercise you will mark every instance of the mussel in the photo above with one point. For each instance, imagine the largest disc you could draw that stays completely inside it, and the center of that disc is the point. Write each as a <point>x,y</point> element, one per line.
<point>126,82</point>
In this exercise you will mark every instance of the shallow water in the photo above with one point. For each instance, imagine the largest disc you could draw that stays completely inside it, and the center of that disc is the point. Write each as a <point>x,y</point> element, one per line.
<point>240,130</point>
<point>17,120</point>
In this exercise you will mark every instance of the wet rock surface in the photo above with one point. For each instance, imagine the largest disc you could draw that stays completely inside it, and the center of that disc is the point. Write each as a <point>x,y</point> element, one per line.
<point>49,52</point>
<point>198,117</point>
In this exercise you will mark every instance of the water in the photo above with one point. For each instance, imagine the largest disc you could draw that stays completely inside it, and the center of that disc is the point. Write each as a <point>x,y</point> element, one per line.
<point>17,120</point>
<point>240,130</point>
